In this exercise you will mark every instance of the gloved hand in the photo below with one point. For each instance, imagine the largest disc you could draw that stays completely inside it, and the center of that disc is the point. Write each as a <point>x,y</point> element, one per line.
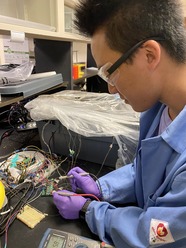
<point>68,206</point>
<point>85,183</point>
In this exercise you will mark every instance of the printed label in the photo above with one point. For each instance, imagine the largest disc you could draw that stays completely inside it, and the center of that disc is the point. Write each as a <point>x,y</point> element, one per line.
<point>160,232</point>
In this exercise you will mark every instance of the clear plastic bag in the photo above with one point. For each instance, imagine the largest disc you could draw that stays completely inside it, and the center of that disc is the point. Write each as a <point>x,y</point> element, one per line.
<point>91,115</point>
<point>19,73</point>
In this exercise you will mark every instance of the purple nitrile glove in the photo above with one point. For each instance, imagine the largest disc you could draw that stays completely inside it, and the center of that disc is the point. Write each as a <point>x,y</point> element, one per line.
<point>68,206</point>
<point>85,183</point>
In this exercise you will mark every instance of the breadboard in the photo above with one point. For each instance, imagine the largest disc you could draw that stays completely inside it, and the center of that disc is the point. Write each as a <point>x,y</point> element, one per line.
<point>30,216</point>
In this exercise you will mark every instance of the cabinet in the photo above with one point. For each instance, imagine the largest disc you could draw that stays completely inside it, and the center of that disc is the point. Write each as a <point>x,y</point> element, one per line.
<point>50,24</point>
<point>48,19</point>
<point>54,55</point>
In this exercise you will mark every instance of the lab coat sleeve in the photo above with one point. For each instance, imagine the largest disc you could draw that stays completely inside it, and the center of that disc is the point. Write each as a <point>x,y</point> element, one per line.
<point>134,227</point>
<point>118,185</point>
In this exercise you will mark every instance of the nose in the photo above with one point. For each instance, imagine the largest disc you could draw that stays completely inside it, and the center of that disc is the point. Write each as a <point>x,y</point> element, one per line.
<point>112,89</point>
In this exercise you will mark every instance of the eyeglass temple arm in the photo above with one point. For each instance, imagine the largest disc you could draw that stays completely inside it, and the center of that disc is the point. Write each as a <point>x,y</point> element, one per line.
<point>129,52</point>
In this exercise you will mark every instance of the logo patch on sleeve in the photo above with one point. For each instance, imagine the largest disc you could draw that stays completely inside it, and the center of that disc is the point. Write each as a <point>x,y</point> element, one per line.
<point>160,232</point>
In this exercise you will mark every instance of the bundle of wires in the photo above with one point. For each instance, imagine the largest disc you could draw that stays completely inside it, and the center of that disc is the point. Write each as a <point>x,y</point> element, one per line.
<point>17,197</point>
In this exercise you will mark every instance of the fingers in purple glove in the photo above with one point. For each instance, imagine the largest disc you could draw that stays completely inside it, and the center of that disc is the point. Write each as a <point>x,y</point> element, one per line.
<point>76,180</point>
<point>75,169</point>
<point>85,183</point>
<point>68,206</point>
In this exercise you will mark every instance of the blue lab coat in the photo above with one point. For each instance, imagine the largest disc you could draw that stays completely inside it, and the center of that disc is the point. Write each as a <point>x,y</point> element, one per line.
<point>155,184</point>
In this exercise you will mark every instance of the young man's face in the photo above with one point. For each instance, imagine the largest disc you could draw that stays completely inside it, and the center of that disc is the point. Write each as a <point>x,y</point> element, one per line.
<point>134,81</point>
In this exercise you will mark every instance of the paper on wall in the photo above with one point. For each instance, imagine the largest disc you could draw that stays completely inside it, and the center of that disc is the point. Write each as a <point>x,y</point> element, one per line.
<point>14,52</point>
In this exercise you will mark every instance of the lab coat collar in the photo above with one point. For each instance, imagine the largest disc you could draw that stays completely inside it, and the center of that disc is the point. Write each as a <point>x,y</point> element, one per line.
<point>175,133</point>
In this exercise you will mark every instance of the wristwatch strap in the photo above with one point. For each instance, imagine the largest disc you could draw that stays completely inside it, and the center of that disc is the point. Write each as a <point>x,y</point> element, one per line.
<point>82,212</point>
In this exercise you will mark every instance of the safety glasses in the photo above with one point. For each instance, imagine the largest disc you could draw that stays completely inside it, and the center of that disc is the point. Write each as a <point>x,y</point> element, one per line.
<point>110,72</point>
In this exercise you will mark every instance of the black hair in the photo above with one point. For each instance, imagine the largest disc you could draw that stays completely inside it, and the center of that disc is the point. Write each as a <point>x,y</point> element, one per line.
<point>127,22</point>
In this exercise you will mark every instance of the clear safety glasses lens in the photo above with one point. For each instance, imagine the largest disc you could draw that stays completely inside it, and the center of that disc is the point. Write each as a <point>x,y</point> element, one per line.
<point>110,79</point>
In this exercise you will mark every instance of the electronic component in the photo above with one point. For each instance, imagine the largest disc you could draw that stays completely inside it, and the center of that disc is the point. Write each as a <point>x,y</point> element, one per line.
<point>30,165</point>
<point>30,216</point>
<point>49,188</point>
<point>20,164</point>
<point>60,239</point>
<point>27,126</point>
<point>31,87</point>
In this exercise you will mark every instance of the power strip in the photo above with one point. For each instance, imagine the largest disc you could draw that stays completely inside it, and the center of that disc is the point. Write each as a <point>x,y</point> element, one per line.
<point>27,126</point>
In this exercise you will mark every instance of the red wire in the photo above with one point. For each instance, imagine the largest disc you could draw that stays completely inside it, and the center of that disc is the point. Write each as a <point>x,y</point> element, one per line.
<point>85,195</point>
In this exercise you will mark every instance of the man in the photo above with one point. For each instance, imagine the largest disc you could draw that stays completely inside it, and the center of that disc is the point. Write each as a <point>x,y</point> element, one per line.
<point>140,49</point>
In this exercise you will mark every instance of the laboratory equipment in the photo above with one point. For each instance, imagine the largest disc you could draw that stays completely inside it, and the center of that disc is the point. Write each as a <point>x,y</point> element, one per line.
<point>59,239</point>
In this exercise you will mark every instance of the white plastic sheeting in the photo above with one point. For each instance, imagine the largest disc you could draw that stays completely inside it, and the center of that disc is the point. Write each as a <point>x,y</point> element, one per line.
<point>19,73</point>
<point>90,115</point>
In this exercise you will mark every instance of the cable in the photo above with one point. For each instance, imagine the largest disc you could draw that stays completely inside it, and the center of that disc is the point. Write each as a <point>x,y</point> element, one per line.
<point>17,198</point>
<point>110,147</point>
<point>18,114</point>
<point>98,182</point>
<point>35,197</point>
<point>71,144</point>
<point>74,194</point>
<point>42,136</point>
<point>6,134</point>
<point>5,156</point>
<point>91,195</point>
<point>59,165</point>
<point>10,220</point>
<point>4,112</point>
<point>79,149</point>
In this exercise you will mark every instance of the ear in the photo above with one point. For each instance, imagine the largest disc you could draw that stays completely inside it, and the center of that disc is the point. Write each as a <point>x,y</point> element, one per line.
<point>152,53</point>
